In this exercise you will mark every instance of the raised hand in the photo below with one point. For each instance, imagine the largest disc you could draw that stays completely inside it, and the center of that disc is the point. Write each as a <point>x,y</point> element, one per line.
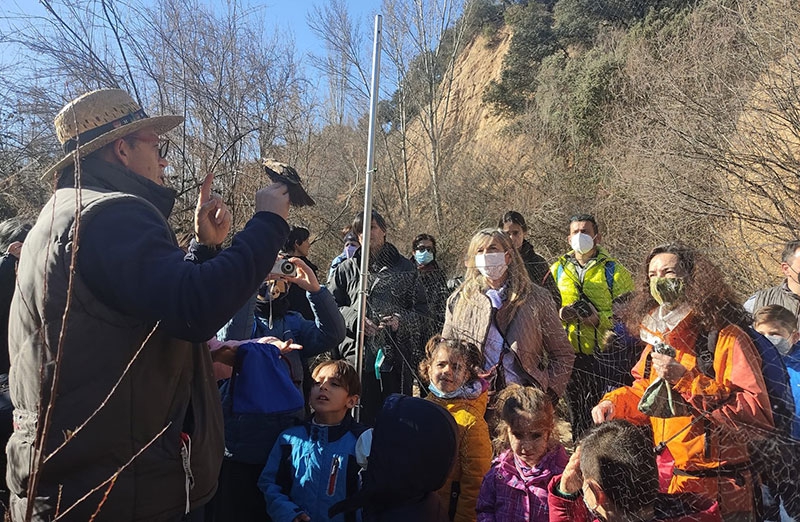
<point>273,198</point>
<point>305,277</point>
<point>212,219</point>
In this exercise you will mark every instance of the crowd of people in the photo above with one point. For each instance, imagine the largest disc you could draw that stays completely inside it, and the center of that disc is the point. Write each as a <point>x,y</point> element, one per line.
<point>151,382</point>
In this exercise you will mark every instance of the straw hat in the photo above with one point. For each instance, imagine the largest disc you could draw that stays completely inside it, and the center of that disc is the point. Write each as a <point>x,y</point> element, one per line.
<point>97,118</point>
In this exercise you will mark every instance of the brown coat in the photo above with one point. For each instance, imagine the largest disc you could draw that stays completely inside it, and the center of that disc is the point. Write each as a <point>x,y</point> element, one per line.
<point>534,333</point>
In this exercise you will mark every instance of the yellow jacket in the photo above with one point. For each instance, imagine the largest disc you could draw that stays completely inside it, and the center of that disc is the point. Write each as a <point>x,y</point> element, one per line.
<point>602,273</point>
<point>736,399</point>
<point>474,454</point>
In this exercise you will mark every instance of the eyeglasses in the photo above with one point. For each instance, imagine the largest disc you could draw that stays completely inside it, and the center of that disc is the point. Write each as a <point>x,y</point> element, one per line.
<point>423,248</point>
<point>161,143</point>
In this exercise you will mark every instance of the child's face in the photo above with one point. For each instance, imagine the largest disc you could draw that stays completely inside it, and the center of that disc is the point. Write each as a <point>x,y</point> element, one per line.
<point>448,369</point>
<point>328,397</point>
<point>528,436</point>
<point>774,328</point>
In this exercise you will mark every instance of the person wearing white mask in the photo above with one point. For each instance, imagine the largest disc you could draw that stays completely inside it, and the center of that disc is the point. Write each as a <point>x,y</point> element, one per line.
<point>512,320</point>
<point>782,458</point>
<point>589,279</point>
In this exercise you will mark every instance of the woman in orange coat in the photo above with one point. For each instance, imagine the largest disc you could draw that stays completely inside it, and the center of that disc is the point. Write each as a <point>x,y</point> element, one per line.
<point>720,400</point>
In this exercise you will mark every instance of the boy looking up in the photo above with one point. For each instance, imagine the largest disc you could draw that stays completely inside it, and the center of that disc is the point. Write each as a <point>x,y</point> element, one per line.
<point>313,466</point>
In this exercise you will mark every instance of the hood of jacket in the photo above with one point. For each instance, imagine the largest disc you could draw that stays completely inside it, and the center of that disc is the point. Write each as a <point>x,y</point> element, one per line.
<point>100,174</point>
<point>413,448</point>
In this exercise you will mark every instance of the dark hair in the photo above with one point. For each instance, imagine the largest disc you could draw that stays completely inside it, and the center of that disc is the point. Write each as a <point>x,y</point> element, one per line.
<point>512,216</point>
<point>619,457</point>
<point>789,250</point>
<point>515,400</point>
<point>711,299</point>
<point>585,217</point>
<point>351,237</point>
<point>345,372</point>
<point>358,221</point>
<point>471,354</point>
<point>424,237</point>
<point>11,230</point>
<point>775,314</point>
<point>296,236</point>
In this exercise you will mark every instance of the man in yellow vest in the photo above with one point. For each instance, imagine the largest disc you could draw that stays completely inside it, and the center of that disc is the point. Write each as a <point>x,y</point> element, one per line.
<point>589,279</point>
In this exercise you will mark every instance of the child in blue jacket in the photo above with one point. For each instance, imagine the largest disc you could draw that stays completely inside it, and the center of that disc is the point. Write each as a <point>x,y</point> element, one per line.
<point>313,466</point>
<point>778,458</point>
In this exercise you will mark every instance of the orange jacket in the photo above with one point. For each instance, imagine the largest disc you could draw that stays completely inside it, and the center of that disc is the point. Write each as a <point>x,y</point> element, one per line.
<point>736,399</point>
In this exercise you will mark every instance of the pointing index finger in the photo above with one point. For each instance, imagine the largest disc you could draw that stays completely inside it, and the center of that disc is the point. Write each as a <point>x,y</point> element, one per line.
<point>205,188</point>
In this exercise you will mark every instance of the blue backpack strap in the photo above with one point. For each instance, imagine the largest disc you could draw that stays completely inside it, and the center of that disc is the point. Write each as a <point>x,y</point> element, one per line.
<point>776,379</point>
<point>559,272</point>
<point>610,267</point>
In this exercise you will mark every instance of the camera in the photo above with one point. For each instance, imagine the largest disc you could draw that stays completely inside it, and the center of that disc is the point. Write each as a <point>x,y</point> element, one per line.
<point>284,267</point>
<point>583,308</point>
<point>664,349</point>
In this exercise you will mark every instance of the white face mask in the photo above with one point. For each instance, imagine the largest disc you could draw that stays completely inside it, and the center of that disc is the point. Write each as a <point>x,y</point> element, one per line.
<point>492,265</point>
<point>582,243</point>
<point>781,343</point>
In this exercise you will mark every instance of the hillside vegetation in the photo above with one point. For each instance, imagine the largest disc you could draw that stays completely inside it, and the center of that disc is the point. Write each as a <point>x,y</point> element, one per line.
<point>671,121</point>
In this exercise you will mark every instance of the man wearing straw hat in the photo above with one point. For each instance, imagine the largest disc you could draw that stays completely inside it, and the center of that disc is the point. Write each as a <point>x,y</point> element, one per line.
<point>116,410</point>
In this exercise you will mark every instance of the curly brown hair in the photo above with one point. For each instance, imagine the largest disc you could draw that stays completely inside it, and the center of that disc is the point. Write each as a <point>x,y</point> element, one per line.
<point>714,303</point>
<point>469,351</point>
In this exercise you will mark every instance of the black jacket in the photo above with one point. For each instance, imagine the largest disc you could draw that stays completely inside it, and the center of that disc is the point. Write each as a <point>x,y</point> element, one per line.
<point>539,271</point>
<point>393,287</point>
<point>413,448</point>
<point>131,348</point>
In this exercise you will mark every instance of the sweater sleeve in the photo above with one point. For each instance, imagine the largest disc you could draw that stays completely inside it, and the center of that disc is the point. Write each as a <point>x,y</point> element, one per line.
<point>328,330</point>
<point>280,506</point>
<point>564,509</point>
<point>487,498</point>
<point>475,453</point>
<point>130,262</point>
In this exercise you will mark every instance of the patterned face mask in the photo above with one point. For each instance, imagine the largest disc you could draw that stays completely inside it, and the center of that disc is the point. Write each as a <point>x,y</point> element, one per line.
<point>667,290</point>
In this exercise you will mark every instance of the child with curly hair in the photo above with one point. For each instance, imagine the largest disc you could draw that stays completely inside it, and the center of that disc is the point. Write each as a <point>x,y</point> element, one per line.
<point>451,367</point>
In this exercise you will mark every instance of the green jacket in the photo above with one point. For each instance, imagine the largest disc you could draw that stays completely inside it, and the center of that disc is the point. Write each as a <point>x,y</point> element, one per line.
<point>604,280</point>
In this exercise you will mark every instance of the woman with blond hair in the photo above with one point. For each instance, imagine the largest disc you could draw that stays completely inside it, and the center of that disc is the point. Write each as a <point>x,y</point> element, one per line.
<point>511,320</point>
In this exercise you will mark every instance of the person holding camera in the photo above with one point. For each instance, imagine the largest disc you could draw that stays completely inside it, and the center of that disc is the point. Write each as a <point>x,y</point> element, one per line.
<point>589,280</point>
<point>397,311</point>
<point>250,435</point>
<point>698,383</point>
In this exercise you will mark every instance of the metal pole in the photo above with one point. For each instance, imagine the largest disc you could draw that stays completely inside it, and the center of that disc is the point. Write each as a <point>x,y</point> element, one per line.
<point>362,293</point>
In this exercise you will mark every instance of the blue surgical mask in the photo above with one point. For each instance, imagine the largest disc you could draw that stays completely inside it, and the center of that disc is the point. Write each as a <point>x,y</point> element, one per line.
<point>423,257</point>
<point>349,250</point>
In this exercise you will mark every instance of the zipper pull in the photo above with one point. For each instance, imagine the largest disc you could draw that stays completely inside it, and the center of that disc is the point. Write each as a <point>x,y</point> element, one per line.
<point>334,472</point>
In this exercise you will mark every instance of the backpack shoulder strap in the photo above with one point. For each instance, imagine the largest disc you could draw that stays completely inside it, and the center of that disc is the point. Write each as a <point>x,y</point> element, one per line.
<point>610,268</point>
<point>705,345</point>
